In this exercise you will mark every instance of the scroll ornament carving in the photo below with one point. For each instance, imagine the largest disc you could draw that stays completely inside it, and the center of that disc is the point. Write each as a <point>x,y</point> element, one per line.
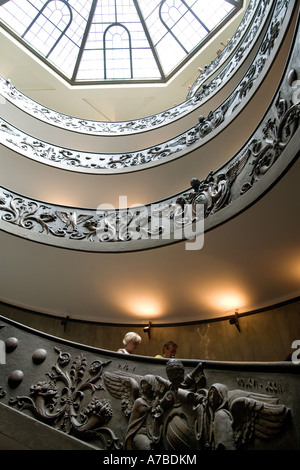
<point>179,413</point>
<point>201,90</point>
<point>182,413</point>
<point>277,134</point>
<point>221,188</point>
<point>96,162</point>
<point>58,402</point>
<point>90,226</point>
<point>216,191</point>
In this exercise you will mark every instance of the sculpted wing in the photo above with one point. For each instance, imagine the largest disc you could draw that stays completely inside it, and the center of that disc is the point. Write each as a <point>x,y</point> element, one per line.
<point>124,387</point>
<point>256,415</point>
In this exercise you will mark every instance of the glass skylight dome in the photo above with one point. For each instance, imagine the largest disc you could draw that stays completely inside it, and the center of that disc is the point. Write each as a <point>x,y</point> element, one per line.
<point>96,41</point>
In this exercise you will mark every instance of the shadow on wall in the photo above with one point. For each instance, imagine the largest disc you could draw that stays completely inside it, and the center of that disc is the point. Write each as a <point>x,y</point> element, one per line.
<point>264,336</point>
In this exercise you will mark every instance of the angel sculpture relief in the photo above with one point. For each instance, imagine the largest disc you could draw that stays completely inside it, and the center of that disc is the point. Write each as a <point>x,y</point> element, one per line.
<point>140,427</point>
<point>136,394</point>
<point>155,405</point>
<point>180,413</point>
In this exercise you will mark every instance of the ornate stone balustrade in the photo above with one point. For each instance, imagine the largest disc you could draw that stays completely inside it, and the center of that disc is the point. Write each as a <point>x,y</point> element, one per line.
<point>224,193</point>
<point>113,401</point>
<point>238,45</point>
<point>241,43</point>
<point>205,129</point>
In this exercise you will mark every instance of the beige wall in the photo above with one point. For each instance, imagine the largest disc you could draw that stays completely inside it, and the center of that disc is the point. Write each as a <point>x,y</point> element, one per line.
<point>264,336</point>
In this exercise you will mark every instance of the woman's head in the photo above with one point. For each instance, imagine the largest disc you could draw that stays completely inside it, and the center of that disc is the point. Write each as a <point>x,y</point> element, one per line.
<point>131,341</point>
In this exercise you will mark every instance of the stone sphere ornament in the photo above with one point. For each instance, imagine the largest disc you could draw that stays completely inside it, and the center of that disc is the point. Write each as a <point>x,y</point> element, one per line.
<point>39,356</point>
<point>11,344</point>
<point>15,378</point>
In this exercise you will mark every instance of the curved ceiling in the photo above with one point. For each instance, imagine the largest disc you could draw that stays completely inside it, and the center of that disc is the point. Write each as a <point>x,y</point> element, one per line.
<point>110,101</point>
<point>250,262</point>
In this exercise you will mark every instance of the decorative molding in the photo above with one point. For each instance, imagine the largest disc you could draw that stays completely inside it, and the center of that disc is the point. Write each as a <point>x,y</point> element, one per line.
<point>60,406</point>
<point>171,220</point>
<point>222,194</point>
<point>182,413</point>
<point>234,52</point>
<point>7,90</point>
<point>95,230</point>
<point>117,402</point>
<point>178,146</point>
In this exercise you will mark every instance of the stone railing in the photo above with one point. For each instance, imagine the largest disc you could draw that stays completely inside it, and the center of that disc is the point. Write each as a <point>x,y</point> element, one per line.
<point>237,46</point>
<point>205,129</point>
<point>272,148</point>
<point>241,43</point>
<point>119,402</point>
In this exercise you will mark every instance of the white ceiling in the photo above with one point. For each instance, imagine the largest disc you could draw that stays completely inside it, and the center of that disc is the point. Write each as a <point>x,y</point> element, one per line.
<point>108,102</point>
<point>250,262</point>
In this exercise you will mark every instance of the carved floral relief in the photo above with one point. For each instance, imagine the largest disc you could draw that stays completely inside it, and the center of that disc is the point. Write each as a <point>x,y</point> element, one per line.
<point>215,192</point>
<point>97,162</point>
<point>261,9</point>
<point>181,413</point>
<point>58,400</point>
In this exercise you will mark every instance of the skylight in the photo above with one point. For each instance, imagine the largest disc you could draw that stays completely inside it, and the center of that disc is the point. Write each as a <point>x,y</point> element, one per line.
<point>95,41</point>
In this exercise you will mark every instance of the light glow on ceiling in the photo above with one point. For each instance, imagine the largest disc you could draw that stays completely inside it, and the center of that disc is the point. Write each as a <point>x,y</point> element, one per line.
<point>224,299</point>
<point>141,303</point>
<point>228,301</point>
<point>145,308</point>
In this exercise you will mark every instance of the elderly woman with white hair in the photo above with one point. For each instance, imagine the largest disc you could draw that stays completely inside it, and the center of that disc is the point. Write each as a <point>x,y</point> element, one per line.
<point>131,341</point>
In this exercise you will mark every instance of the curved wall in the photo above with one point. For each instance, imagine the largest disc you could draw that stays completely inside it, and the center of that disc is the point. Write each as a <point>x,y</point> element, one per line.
<point>170,143</point>
<point>265,335</point>
<point>110,401</point>
<point>226,187</point>
<point>49,184</point>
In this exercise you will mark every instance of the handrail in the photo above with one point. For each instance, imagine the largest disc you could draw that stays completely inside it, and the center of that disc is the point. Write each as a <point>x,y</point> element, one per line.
<point>241,42</point>
<point>97,396</point>
<point>193,138</point>
<point>271,149</point>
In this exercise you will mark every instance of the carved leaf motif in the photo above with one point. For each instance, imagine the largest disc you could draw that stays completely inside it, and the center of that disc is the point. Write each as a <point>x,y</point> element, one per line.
<point>58,401</point>
<point>277,133</point>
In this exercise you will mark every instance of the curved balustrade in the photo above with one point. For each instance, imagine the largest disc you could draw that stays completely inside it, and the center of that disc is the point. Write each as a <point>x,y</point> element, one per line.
<point>112,401</point>
<point>193,138</point>
<point>224,193</point>
<point>238,45</point>
<point>241,44</point>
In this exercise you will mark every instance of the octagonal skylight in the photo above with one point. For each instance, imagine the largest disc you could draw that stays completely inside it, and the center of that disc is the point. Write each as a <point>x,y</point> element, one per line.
<point>96,41</point>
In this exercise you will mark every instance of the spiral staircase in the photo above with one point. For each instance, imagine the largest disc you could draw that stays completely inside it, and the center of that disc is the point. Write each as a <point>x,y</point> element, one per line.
<point>150,219</point>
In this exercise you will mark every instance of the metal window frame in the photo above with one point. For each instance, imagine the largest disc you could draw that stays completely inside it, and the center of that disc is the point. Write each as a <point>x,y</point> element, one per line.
<point>40,13</point>
<point>105,48</point>
<point>73,81</point>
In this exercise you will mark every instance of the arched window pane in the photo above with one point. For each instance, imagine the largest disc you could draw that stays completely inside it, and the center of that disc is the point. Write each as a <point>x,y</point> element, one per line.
<point>48,26</point>
<point>69,34</point>
<point>117,53</point>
